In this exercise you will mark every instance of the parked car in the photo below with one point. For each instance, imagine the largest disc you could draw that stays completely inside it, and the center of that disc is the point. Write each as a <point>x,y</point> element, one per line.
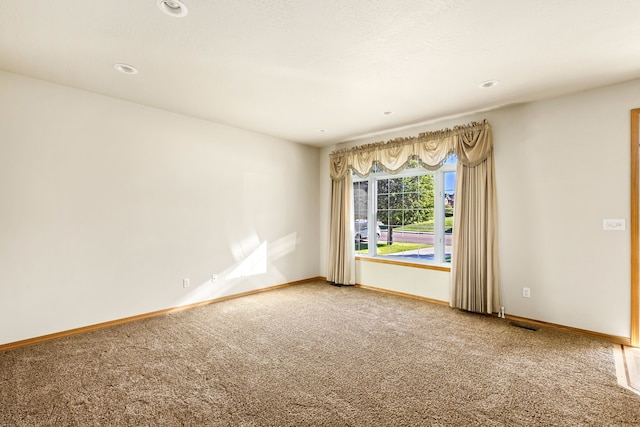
<point>361,232</point>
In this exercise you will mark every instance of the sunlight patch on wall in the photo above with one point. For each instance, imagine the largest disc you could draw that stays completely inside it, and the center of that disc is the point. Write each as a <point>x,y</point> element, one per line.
<point>254,269</point>
<point>283,246</point>
<point>254,264</point>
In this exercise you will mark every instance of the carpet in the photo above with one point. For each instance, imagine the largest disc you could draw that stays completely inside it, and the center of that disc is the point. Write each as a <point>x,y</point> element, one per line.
<point>316,355</point>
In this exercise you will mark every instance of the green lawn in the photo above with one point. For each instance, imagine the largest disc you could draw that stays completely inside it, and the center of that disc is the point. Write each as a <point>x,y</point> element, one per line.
<point>384,249</point>
<point>426,226</point>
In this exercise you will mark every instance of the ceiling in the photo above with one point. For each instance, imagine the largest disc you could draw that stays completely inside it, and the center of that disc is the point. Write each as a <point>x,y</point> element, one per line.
<point>324,71</point>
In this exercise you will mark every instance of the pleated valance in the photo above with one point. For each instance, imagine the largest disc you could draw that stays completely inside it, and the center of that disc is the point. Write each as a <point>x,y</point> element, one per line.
<point>471,143</point>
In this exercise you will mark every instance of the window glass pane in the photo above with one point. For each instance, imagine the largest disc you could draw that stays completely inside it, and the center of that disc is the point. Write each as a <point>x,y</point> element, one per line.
<point>383,186</point>
<point>407,218</point>
<point>422,226</point>
<point>395,217</point>
<point>411,201</point>
<point>395,185</point>
<point>383,220</point>
<point>449,199</point>
<point>360,200</point>
<point>395,201</point>
<point>360,212</point>
<point>383,202</point>
<point>410,183</point>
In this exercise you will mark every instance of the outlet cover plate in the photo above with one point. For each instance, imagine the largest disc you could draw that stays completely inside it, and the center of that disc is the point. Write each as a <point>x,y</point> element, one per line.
<point>614,224</point>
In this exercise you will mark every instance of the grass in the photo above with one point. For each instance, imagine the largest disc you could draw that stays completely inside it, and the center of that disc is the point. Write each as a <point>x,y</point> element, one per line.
<point>426,226</point>
<point>384,249</point>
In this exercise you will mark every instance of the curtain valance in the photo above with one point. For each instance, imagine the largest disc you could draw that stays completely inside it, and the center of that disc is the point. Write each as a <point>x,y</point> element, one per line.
<point>471,143</point>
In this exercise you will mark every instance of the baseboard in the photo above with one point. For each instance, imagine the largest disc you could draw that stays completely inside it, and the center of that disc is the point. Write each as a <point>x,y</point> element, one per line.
<point>85,329</point>
<point>36,340</point>
<point>611,338</point>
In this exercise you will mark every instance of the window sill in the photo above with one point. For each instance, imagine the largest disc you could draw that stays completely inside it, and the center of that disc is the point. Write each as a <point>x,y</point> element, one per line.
<point>404,263</point>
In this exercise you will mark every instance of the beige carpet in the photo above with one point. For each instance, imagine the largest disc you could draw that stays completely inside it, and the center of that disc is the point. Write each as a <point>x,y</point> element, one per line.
<point>316,355</point>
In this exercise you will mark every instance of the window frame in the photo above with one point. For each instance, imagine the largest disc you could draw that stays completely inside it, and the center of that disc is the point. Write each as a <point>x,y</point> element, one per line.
<point>439,212</point>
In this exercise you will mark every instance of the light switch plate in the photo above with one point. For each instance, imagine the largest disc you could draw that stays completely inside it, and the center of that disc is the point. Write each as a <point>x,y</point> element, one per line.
<point>614,224</point>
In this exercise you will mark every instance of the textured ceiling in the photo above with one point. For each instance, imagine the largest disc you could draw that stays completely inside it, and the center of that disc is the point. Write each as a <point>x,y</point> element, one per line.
<point>289,68</point>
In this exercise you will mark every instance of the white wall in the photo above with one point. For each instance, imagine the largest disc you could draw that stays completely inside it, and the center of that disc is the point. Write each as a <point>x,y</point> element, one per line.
<point>562,166</point>
<point>108,205</point>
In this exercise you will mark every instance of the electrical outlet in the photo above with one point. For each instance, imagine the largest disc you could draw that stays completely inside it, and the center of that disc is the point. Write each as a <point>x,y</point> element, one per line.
<point>186,283</point>
<point>214,278</point>
<point>526,292</point>
<point>614,224</point>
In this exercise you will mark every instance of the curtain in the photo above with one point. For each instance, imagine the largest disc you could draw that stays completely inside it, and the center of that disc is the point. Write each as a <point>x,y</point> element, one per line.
<point>475,282</point>
<point>342,267</point>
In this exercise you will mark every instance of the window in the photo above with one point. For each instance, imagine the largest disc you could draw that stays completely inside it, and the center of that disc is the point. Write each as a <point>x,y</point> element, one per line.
<point>412,212</point>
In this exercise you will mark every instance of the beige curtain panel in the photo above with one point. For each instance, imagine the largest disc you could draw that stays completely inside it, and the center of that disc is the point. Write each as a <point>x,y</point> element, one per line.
<point>475,282</point>
<point>342,264</point>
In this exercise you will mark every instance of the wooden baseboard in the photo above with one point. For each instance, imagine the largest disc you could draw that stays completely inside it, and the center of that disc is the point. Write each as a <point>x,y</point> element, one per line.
<point>32,341</point>
<point>611,338</point>
<point>85,329</point>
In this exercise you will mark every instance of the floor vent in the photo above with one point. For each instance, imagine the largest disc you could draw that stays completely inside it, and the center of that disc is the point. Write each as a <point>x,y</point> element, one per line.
<point>524,326</point>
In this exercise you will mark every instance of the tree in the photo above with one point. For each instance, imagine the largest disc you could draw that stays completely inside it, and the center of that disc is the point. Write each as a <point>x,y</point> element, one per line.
<point>406,200</point>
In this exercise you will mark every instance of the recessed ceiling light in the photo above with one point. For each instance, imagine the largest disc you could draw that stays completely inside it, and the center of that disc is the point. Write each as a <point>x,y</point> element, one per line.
<point>386,113</point>
<point>126,68</point>
<point>322,130</point>
<point>489,83</point>
<point>174,8</point>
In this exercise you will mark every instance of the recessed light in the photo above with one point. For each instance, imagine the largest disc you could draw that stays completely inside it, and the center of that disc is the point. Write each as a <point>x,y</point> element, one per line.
<point>171,4</point>
<point>386,113</point>
<point>125,68</point>
<point>322,130</point>
<point>174,8</point>
<point>488,84</point>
